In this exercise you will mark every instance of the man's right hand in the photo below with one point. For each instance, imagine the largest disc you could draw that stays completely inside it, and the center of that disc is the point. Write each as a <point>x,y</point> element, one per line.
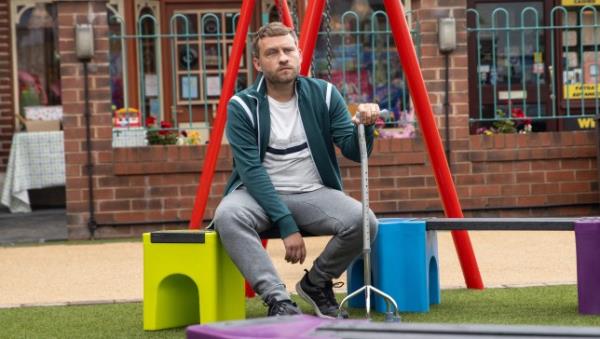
<point>295,250</point>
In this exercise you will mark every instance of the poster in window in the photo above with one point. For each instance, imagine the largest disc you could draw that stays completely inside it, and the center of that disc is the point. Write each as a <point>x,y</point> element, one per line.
<point>574,76</point>
<point>572,59</point>
<point>591,67</point>
<point>213,86</point>
<point>210,25</point>
<point>189,87</point>
<point>484,71</point>
<point>151,85</point>
<point>211,56</point>
<point>579,91</point>
<point>188,57</point>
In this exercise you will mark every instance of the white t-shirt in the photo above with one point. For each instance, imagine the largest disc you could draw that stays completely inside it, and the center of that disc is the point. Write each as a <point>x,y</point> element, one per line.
<point>288,160</point>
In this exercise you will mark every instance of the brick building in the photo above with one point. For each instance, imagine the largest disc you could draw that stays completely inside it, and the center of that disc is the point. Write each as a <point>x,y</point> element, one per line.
<point>550,171</point>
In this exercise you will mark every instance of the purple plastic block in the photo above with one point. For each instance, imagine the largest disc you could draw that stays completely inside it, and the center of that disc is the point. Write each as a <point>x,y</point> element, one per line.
<point>587,237</point>
<point>297,326</point>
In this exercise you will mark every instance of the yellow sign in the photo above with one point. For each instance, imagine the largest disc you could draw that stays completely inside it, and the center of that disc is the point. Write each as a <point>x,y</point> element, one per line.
<point>586,123</point>
<point>577,91</point>
<point>580,2</point>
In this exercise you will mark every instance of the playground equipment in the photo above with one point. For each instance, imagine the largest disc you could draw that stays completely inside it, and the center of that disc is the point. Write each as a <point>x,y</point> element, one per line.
<point>405,266</point>
<point>189,279</point>
<point>410,65</point>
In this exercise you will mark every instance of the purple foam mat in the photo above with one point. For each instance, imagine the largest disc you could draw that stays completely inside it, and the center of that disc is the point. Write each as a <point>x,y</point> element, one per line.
<point>297,326</point>
<point>304,327</point>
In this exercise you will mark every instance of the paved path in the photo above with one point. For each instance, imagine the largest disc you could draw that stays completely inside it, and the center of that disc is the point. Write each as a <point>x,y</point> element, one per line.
<point>109,272</point>
<point>36,227</point>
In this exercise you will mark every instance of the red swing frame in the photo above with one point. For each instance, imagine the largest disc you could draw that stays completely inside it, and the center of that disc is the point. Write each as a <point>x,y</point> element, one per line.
<point>416,85</point>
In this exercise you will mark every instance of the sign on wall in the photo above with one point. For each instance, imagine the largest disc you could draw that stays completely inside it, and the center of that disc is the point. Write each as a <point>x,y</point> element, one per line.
<point>577,91</point>
<point>580,2</point>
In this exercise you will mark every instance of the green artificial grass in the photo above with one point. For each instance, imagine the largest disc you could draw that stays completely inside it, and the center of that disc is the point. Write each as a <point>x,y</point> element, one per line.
<point>555,305</point>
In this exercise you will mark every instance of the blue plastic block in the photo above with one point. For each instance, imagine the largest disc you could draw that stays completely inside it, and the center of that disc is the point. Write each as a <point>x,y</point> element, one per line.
<point>405,266</point>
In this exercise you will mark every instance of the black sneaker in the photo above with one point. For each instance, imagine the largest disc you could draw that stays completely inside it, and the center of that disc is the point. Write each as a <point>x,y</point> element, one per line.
<point>321,298</point>
<point>283,307</point>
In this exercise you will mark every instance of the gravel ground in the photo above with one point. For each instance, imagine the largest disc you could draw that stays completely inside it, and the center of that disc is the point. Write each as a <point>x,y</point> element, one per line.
<point>112,272</point>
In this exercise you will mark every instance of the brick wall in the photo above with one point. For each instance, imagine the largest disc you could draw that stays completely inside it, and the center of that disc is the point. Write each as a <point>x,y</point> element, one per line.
<point>543,174</point>
<point>6,85</point>
<point>73,99</point>
<point>427,13</point>
<point>141,189</point>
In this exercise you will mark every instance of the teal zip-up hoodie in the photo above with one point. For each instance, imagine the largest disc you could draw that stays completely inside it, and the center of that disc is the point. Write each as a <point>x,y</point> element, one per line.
<point>326,122</point>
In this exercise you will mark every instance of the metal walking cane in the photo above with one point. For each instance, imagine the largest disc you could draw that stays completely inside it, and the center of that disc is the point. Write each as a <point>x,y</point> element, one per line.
<point>390,316</point>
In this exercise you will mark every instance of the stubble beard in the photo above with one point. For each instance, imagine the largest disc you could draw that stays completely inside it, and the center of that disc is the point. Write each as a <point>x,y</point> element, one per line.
<point>276,79</point>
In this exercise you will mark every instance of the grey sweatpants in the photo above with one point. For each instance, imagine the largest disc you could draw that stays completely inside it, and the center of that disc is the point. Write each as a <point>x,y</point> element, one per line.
<point>239,219</point>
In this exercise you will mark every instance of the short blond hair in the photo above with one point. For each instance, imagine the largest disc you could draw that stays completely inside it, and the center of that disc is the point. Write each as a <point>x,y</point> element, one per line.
<point>270,30</point>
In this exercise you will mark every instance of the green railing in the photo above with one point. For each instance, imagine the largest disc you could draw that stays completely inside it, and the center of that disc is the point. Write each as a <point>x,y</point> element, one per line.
<point>359,57</point>
<point>533,67</point>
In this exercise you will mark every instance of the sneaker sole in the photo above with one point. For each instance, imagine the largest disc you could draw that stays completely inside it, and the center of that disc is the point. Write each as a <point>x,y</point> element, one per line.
<point>308,299</point>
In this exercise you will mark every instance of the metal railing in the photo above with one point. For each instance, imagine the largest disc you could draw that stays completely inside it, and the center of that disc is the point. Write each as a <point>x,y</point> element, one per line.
<point>534,67</point>
<point>358,56</point>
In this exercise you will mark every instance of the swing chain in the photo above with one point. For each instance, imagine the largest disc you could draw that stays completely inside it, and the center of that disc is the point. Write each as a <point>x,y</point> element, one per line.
<point>278,5</point>
<point>328,38</point>
<point>294,13</point>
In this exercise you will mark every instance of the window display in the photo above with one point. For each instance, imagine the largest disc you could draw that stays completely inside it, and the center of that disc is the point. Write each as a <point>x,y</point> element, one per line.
<point>580,54</point>
<point>38,61</point>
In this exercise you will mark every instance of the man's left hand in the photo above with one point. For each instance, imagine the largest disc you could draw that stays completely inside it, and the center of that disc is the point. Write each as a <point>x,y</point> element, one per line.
<point>366,114</point>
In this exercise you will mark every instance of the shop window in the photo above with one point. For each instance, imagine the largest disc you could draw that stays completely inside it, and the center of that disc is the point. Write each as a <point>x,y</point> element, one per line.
<point>510,55</point>
<point>533,66</point>
<point>581,59</point>
<point>37,59</point>
<point>203,45</point>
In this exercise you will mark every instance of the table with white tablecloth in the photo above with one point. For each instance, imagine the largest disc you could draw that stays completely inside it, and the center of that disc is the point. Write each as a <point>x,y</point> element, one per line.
<point>37,160</point>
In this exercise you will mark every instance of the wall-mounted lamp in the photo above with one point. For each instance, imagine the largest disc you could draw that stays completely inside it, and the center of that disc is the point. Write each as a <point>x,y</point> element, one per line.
<point>447,34</point>
<point>447,44</point>
<point>84,42</point>
<point>84,49</point>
